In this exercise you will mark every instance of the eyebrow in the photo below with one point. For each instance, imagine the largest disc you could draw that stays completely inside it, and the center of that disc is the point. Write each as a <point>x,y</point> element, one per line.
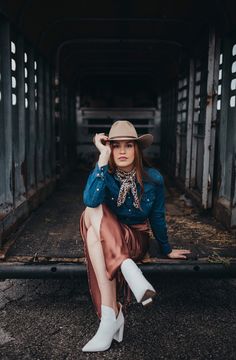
<point>118,142</point>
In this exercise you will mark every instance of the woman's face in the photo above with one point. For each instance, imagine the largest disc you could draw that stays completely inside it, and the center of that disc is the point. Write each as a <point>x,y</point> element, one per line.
<point>123,154</point>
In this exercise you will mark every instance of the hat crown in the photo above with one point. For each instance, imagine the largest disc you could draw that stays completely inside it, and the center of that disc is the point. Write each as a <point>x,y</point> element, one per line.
<point>123,128</point>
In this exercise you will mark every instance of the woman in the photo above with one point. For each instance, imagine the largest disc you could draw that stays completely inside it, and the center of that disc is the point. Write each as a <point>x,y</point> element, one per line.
<point>124,200</point>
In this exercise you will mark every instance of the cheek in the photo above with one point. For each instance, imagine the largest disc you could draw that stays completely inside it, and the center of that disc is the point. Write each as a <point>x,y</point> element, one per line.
<point>132,153</point>
<point>115,153</point>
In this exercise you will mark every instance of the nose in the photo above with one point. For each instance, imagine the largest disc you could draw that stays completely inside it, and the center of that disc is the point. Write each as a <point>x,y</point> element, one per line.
<point>122,149</point>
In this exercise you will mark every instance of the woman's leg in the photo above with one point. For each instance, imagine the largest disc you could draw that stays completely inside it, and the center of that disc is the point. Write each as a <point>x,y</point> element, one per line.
<point>107,287</point>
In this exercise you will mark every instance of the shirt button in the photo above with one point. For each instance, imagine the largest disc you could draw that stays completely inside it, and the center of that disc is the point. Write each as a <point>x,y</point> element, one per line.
<point>97,189</point>
<point>98,174</point>
<point>147,199</point>
<point>129,210</point>
<point>112,198</point>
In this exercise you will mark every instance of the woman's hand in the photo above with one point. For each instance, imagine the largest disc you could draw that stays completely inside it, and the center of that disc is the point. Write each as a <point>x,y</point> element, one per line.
<point>178,254</point>
<point>103,145</point>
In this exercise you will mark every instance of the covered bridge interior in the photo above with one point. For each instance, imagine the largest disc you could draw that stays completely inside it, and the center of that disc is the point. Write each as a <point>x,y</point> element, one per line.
<point>69,69</point>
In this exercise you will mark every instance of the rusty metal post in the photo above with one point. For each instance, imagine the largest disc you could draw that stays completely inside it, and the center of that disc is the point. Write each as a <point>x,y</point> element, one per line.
<point>209,136</point>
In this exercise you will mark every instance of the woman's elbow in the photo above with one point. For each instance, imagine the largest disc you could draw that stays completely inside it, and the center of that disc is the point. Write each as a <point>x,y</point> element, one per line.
<point>90,202</point>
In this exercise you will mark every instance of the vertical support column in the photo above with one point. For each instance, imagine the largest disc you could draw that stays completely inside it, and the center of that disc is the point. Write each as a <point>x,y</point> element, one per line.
<point>50,138</point>
<point>53,131</point>
<point>47,123</point>
<point>6,122</point>
<point>2,142</point>
<point>65,128</point>
<point>40,140</point>
<point>231,137</point>
<point>25,167</point>
<point>72,129</point>
<point>189,124</point>
<point>36,119</point>
<point>226,67</point>
<point>233,177</point>
<point>20,150</point>
<point>15,123</point>
<point>32,123</point>
<point>214,117</point>
<point>196,113</point>
<point>62,137</point>
<point>209,136</point>
<point>178,128</point>
<point>58,114</point>
<point>233,215</point>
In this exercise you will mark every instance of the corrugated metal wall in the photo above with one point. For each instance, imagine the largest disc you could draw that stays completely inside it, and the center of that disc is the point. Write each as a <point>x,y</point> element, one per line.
<point>198,144</point>
<point>28,155</point>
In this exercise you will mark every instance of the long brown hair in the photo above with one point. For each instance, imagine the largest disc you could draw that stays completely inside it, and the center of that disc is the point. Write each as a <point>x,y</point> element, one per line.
<point>139,162</point>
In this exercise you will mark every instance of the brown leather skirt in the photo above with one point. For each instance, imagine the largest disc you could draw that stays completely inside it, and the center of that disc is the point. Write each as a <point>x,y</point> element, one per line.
<point>119,242</point>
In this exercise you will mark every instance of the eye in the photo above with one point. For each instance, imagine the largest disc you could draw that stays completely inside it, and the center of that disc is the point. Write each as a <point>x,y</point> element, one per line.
<point>130,145</point>
<point>115,145</point>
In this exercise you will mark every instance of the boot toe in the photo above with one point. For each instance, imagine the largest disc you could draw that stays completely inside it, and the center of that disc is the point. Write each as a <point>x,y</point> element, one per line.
<point>92,348</point>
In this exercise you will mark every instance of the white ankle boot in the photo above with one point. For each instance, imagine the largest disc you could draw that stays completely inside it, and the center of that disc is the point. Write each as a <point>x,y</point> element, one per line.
<point>140,287</point>
<point>110,328</point>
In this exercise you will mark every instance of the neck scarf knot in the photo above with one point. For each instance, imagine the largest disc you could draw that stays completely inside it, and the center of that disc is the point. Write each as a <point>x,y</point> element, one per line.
<point>127,180</point>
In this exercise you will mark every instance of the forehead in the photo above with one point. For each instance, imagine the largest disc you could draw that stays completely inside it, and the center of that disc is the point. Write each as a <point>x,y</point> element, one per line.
<point>121,142</point>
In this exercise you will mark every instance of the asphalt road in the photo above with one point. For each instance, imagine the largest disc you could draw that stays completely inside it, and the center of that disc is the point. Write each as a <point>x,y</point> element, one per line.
<point>192,318</point>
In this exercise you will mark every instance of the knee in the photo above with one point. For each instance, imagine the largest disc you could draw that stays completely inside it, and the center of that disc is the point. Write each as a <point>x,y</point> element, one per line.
<point>91,213</point>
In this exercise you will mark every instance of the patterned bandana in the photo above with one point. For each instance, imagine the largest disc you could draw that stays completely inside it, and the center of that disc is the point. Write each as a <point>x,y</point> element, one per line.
<point>127,180</point>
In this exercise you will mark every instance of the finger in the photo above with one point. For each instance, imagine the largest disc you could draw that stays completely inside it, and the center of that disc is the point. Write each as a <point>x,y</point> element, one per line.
<point>180,255</point>
<point>102,137</point>
<point>183,251</point>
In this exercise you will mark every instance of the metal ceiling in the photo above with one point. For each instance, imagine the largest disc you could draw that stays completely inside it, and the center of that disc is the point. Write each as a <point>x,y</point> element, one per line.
<point>127,36</point>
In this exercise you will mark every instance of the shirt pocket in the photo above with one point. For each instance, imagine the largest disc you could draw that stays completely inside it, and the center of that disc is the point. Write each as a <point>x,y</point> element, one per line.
<point>148,200</point>
<point>111,200</point>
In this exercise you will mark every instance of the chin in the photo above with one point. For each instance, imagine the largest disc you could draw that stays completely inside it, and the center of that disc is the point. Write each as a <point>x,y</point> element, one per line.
<point>123,164</point>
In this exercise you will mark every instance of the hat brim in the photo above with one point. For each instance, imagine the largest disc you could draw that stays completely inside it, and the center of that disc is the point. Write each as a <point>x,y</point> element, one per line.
<point>143,140</point>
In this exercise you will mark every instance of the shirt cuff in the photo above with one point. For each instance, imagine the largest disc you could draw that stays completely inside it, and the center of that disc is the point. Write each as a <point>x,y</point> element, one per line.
<point>166,249</point>
<point>101,171</point>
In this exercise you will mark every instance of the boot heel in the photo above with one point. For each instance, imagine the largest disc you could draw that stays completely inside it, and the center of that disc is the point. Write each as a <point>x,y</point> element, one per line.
<point>148,297</point>
<point>119,334</point>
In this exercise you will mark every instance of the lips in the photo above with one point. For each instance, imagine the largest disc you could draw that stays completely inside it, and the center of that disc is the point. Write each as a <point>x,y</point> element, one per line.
<point>123,158</point>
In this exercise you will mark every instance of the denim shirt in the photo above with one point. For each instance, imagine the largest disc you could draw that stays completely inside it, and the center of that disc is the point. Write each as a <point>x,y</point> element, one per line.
<point>103,187</point>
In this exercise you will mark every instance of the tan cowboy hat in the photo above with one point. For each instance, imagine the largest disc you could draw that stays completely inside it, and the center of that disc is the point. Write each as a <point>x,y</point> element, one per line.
<point>124,130</point>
